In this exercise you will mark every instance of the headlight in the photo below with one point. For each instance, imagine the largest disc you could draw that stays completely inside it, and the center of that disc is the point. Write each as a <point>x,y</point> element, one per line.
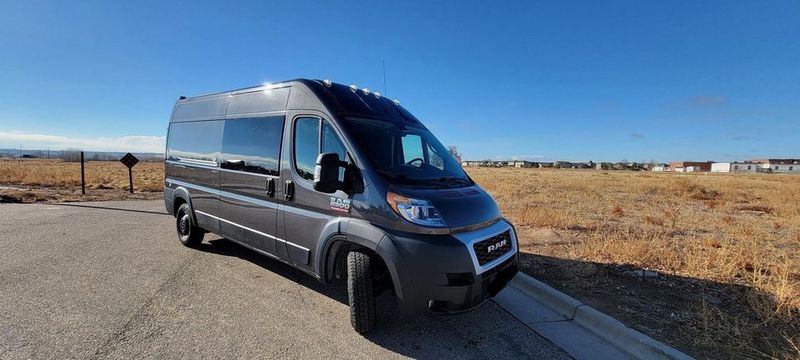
<point>417,211</point>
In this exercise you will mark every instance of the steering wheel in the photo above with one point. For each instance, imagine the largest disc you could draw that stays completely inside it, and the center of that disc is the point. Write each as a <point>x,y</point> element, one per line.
<point>411,162</point>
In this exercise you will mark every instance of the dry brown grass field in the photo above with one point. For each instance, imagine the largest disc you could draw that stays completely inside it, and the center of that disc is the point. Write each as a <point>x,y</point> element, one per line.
<point>55,180</point>
<point>724,248</point>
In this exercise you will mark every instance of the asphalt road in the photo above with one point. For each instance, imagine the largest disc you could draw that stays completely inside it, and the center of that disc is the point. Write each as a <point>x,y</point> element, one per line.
<point>110,280</point>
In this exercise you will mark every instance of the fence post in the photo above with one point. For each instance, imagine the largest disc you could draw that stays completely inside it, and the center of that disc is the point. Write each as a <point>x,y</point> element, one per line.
<point>83,178</point>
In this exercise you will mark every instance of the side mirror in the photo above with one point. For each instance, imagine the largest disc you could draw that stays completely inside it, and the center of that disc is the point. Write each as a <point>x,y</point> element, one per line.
<point>326,173</point>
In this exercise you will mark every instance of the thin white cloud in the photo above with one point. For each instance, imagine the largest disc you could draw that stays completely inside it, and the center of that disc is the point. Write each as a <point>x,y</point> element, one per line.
<point>14,139</point>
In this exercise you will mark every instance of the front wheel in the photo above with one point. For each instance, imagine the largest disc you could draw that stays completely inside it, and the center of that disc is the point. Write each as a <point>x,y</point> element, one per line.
<point>360,291</point>
<point>188,233</point>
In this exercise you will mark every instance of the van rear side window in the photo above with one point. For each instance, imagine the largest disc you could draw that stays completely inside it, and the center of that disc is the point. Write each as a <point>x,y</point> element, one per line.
<point>197,141</point>
<point>252,144</point>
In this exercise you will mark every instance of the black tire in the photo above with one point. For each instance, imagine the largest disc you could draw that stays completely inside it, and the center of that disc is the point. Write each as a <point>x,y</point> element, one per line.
<point>188,233</point>
<point>360,291</point>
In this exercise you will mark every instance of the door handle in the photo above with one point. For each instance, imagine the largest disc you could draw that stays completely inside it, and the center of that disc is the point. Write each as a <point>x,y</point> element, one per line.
<point>288,190</point>
<point>270,187</point>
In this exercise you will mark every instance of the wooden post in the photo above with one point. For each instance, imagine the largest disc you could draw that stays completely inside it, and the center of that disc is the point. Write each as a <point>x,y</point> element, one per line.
<point>83,177</point>
<point>129,160</point>
<point>130,178</point>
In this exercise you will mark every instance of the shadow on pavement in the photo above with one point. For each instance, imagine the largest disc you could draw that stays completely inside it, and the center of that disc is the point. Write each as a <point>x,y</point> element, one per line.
<point>109,208</point>
<point>487,332</point>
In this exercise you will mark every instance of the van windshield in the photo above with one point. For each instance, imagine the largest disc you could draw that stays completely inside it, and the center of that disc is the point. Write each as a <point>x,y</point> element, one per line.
<point>406,153</point>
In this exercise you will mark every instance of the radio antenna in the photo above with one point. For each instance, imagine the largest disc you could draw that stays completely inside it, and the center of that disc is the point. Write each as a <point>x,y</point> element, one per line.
<point>385,92</point>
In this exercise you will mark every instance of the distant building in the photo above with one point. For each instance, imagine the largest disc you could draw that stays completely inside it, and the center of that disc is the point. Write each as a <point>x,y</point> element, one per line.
<point>735,167</point>
<point>520,163</point>
<point>483,163</point>
<point>778,165</point>
<point>775,161</point>
<point>690,166</point>
<point>659,168</point>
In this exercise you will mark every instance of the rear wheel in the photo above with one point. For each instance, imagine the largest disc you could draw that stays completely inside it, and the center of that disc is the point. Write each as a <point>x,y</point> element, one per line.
<point>360,291</point>
<point>188,233</point>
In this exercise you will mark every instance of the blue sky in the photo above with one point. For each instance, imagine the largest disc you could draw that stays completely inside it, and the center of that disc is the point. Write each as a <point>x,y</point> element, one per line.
<point>584,80</point>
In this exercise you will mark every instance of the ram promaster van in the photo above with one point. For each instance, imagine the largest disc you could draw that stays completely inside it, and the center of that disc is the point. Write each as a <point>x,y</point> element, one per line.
<point>340,183</point>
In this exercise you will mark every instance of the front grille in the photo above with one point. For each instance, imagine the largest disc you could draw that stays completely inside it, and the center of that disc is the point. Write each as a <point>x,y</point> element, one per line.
<point>492,248</point>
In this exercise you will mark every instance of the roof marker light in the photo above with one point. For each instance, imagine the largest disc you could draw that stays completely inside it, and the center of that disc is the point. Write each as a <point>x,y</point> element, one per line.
<point>366,91</point>
<point>377,95</point>
<point>327,82</point>
<point>396,101</point>
<point>353,88</point>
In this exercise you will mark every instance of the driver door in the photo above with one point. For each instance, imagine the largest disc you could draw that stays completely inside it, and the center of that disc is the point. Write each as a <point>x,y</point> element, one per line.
<point>306,211</point>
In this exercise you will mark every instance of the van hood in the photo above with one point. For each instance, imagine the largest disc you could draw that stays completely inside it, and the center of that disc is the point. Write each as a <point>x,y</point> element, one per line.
<point>461,207</point>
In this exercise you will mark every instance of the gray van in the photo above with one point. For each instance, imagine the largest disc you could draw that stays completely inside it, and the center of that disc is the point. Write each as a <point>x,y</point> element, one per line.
<point>340,183</point>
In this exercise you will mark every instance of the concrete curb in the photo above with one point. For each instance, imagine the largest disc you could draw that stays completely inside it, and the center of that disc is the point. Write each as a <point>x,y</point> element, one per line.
<point>605,327</point>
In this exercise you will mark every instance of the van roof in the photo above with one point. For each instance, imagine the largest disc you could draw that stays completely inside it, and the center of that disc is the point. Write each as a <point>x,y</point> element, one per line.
<point>342,100</point>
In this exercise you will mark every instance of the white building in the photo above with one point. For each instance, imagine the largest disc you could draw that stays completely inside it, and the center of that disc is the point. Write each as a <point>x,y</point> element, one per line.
<point>728,167</point>
<point>659,168</point>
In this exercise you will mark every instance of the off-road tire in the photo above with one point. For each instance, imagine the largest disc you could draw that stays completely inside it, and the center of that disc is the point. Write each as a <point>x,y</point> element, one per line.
<point>360,291</point>
<point>188,233</point>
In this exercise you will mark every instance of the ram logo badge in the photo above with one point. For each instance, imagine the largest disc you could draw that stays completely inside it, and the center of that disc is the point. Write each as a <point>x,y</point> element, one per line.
<point>340,205</point>
<point>496,246</point>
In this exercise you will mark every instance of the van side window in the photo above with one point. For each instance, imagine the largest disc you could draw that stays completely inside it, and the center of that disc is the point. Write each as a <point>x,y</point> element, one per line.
<point>198,141</point>
<point>310,140</point>
<point>252,144</point>
<point>306,146</point>
<point>435,159</point>
<point>332,144</point>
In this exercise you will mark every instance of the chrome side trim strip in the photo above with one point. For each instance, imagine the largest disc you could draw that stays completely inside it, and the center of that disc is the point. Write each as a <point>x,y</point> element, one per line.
<point>203,163</point>
<point>200,166</point>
